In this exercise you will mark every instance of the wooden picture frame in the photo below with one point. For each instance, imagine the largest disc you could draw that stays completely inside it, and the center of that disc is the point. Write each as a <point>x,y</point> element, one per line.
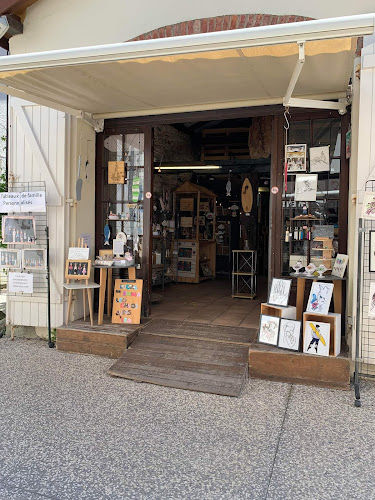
<point>34,258</point>
<point>19,230</point>
<point>10,258</point>
<point>77,269</point>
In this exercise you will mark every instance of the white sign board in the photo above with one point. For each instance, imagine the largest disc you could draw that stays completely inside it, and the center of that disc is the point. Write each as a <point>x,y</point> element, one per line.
<point>118,247</point>
<point>26,201</point>
<point>20,282</point>
<point>76,253</point>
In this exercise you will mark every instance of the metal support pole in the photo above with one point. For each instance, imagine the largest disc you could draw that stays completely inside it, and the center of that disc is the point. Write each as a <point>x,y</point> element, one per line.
<point>357,401</point>
<point>50,343</point>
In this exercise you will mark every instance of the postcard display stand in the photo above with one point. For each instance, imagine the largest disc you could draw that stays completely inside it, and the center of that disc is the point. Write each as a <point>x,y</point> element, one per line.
<point>321,330</point>
<point>33,257</point>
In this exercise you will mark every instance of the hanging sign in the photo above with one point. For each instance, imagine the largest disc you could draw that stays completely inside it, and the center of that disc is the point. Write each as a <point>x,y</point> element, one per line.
<point>116,172</point>
<point>20,282</point>
<point>26,201</point>
<point>127,301</point>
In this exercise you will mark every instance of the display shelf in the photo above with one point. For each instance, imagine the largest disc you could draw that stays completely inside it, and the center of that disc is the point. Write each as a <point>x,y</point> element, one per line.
<point>244,274</point>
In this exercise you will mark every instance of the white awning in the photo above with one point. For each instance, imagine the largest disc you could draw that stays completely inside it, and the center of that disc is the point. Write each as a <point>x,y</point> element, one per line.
<point>247,67</point>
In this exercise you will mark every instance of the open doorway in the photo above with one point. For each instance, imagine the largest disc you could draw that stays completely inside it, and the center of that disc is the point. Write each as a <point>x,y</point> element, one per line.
<point>211,193</point>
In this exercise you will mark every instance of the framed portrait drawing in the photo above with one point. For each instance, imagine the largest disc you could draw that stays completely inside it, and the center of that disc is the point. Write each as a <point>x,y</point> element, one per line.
<point>19,230</point>
<point>306,187</point>
<point>279,293</point>
<point>10,259</point>
<point>268,329</point>
<point>368,207</point>
<point>289,334</point>
<point>320,297</point>
<point>34,258</point>
<point>316,338</point>
<point>77,269</point>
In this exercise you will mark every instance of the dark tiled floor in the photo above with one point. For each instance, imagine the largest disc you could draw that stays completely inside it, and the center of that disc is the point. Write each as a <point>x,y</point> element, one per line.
<point>208,302</point>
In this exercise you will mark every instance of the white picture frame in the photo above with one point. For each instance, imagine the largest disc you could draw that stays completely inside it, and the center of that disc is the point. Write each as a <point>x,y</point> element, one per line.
<point>368,206</point>
<point>295,158</point>
<point>10,258</point>
<point>371,262</point>
<point>34,258</point>
<point>319,159</point>
<point>289,334</point>
<point>306,187</point>
<point>371,300</point>
<point>279,292</point>
<point>268,330</point>
<point>316,338</point>
<point>320,297</point>
<point>339,267</point>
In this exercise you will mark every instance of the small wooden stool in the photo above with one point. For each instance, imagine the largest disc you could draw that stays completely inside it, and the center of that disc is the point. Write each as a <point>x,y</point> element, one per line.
<point>86,288</point>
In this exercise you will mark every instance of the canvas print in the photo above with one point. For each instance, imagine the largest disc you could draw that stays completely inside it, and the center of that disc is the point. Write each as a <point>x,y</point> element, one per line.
<point>10,258</point>
<point>295,158</point>
<point>306,187</point>
<point>289,334</point>
<point>279,293</point>
<point>268,329</point>
<point>18,230</point>
<point>371,300</point>
<point>340,264</point>
<point>316,338</point>
<point>320,297</point>
<point>77,269</point>
<point>368,207</point>
<point>319,159</point>
<point>34,258</point>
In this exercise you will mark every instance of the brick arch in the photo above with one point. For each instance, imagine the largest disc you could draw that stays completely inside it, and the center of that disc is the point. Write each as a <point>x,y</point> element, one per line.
<point>220,23</point>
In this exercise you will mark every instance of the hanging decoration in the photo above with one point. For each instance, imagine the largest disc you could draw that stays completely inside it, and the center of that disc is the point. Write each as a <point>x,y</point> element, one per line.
<point>247,196</point>
<point>79,180</point>
<point>107,234</point>
<point>228,186</point>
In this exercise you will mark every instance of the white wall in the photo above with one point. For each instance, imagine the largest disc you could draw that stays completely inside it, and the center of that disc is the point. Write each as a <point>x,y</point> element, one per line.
<point>54,24</point>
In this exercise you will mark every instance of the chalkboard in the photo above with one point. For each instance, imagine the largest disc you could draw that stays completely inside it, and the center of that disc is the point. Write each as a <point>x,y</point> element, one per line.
<point>127,302</point>
<point>323,231</point>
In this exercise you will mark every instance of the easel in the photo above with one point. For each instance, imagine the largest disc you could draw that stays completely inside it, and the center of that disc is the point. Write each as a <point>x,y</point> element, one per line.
<point>85,287</point>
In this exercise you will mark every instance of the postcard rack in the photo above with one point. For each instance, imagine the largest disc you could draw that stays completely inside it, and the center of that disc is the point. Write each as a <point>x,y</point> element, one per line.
<point>41,276</point>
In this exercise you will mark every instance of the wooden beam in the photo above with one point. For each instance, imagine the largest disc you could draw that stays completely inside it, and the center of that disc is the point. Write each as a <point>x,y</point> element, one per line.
<point>15,6</point>
<point>147,220</point>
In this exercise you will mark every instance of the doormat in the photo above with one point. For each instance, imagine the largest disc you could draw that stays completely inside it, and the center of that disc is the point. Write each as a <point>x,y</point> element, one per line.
<point>195,365</point>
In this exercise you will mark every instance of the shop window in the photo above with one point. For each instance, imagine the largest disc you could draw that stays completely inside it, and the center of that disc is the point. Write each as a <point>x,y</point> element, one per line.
<point>323,213</point>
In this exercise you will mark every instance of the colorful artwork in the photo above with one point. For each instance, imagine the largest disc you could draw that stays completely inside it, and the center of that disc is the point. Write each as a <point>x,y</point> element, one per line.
<point>306,187</point>
<point>268,329</point>
<point>340,264</point>
<point>319,159</point>
<point>18,230</point>
<point>295,158</point>
<point>10,258</point>
<point>127,302</point>
<point>34,258</point>
<point>279,293</point>
<point>77,269</point>
<point>290,333</point>
<point>316,338</point>
<point>320,298</point>
<point>368,207</point>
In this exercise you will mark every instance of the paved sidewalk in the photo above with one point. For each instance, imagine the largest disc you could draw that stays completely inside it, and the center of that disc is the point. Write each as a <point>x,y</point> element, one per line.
<point>69,431</point>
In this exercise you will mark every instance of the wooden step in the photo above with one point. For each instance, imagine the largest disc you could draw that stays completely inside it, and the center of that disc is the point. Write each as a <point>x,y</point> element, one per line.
<point>295,367</point>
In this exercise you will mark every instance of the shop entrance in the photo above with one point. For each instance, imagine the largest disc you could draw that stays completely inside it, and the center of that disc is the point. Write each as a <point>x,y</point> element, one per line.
<point>211,191</point>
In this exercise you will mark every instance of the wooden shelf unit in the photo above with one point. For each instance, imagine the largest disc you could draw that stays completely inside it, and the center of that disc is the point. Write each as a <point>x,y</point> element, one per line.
<point>198,248</point>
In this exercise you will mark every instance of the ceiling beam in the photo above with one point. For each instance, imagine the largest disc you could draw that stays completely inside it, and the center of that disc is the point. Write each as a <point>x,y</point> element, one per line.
<point>14,6</point>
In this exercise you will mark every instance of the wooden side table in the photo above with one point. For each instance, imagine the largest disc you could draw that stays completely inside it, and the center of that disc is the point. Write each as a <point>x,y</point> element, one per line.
<point>86,288</point>
<point>106,274</point>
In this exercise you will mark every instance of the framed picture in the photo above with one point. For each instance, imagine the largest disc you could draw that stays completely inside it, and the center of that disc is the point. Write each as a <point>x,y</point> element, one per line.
<point>368,207</point>
<point>77,269</point>
<point>279,293</point>
<point>306,187</point>
<point>319,159</point>
<point>371,300</point>
<point>371,264</point>
<point>316,338</point>
<point>34,258</point>
<point>116,172</point>
<point>295,158</point>
<point>341,262</point>
<point>320,297</point>
<point>289,334</point>
<point>10,258</point>
<point>18,230</point>
<point>268,329</point>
